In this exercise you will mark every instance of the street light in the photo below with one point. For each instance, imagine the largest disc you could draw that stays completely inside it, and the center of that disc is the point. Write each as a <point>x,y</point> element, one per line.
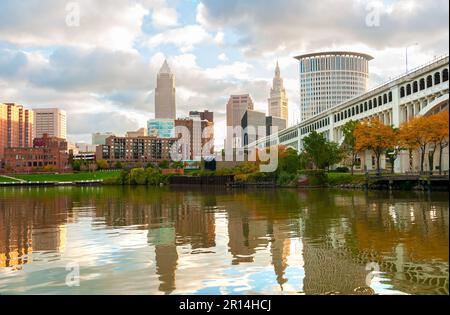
<point>415,44</point>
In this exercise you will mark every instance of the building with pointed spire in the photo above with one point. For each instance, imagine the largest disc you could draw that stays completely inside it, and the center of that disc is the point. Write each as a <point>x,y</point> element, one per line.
<point>278,101</point>
<point>165,106</point>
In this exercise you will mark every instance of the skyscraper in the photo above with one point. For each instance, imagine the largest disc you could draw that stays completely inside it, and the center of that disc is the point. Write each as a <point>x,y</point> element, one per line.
<point>16,127</point>
<point>165,107</point>
<point>236,108</point>
<point>278,101</point>
<point>50,121</point>
<point>329,78</point>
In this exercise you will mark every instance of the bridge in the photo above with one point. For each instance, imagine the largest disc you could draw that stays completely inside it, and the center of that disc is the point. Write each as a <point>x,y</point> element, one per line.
<point>421,91</point>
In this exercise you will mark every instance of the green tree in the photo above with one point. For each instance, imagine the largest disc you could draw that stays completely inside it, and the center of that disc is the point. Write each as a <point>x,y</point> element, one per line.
<point>321,152</point>
<point>118,166</point>
<point>288,161</point>
<point>164,164</point>
<point>349,143</point>
<point>102,164</point>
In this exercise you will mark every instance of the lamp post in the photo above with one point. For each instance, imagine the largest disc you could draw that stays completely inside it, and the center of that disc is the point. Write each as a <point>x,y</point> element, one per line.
<point>415,44</point>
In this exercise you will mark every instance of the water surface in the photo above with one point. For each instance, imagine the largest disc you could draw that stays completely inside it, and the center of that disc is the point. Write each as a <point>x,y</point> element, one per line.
<point>138,240</point>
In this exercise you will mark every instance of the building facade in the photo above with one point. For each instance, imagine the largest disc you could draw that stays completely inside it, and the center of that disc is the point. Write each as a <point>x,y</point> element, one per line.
<point>252,123</point>
<point>278,101</point>
<point>142,132</point>
<point>329,78</point>
<point>135,150</point>
<point>275,124</point>
<point>50,121</point>
<point>161,128</point>
<point>16,126</point>
<point>199,140</point>
<point>165,103</point>
<point>47,154</point>
<point>205,115</point>
<point>100,137</point>
<point>236,107</point>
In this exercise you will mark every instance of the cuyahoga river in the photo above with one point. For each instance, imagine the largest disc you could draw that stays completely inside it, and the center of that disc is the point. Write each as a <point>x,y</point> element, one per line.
<point>138,240</point>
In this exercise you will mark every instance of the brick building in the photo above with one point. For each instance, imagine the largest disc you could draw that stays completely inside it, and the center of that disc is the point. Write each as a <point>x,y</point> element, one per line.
<point>47,154</point>
<point>16,126</point>
<point>200,135</point>
<point>135,150</point>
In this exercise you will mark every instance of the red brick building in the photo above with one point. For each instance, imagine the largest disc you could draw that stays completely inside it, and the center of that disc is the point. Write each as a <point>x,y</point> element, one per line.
<point>47,154</point>
<point>135,150</point>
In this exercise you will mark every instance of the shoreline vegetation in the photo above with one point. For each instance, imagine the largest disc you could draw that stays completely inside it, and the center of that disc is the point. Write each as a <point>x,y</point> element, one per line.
<point>244,175</point>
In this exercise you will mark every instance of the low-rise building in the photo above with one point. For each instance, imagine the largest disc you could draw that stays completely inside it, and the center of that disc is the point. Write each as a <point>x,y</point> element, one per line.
<point>47,154</point>
<point>135,150</point>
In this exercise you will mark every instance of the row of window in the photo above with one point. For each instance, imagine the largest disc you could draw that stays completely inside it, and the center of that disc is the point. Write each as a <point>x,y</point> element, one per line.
<point>363,107</point>
<point>424,83</point>
<point>315,126</point>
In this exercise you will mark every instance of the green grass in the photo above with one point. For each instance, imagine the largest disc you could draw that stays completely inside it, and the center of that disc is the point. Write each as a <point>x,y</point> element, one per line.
<point>69,177</point>
<point>345,178</point>
<point>6,180</point>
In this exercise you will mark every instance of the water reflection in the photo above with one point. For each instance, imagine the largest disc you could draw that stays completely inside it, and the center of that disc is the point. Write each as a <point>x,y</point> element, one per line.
<point>149,241</point>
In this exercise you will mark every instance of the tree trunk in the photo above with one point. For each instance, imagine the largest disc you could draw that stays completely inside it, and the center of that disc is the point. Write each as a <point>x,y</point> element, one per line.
<point>431,160</point>
<point>378,156</point>
<point>422,159</point>
<point>392,166</point>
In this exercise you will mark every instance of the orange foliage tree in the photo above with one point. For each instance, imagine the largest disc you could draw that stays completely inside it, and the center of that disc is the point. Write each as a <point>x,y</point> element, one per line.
<point>437,133</point>
<point>427,132</point>
<point>375,136</point>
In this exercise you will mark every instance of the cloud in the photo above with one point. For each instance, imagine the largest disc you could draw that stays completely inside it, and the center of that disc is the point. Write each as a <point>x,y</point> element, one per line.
<point>113,24</point>
<point>184,38</point>
<point>266,26</point>
<point>165,17</point>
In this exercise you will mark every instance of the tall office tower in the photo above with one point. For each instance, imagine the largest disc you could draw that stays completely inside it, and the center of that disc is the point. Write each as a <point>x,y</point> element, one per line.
<point>329,78</point>
<point>50,121</point>
<point>16,127</point>
<point>236,108</point>
<point>165,107</point>
<point>278,101</point>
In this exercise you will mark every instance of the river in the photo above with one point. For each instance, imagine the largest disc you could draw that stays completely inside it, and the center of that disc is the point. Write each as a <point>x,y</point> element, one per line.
<point>139,240</point>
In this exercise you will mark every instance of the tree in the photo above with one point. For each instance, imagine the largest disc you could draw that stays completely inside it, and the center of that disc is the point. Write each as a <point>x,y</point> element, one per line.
<point>414,134</point>
<point>177,164</point>
<point>437,135</point>
<point>321,152</point>
<point>102,164</point>
<point>164,164</point>
<point>375,136</point>
<point>349,143</point>
<point>118,165</point>
<point>288,160</point>
<point>442,121</point>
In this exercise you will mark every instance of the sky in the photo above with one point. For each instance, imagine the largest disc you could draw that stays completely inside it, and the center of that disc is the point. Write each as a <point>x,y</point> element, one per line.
<point>98,60</point>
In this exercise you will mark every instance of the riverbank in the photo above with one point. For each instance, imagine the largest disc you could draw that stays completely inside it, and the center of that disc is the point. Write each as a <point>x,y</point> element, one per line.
<point>310,179</point>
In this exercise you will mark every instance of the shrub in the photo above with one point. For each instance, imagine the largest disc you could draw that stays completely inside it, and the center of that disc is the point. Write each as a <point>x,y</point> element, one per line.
<point>342,170</point>
<point>316,177</point>
<point>285,179</point>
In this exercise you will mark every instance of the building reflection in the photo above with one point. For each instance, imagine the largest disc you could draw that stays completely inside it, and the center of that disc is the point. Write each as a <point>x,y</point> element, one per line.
<point>29,224</point>
<point>339,232</point>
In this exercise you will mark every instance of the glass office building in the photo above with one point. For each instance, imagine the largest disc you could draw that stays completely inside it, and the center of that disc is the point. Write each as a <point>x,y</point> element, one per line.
<point>161,128</point>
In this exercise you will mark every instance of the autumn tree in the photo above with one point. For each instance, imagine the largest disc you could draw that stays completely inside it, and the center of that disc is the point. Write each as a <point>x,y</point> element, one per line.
<point>349,143</point>
<point>442,131</point>
<point>375,136</point>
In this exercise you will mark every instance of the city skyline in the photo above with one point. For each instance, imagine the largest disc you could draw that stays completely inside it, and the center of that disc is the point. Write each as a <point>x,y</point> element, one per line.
<point>212,50</point>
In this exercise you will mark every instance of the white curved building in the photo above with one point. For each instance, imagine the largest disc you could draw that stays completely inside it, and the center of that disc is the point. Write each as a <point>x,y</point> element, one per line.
<point>329,78</point>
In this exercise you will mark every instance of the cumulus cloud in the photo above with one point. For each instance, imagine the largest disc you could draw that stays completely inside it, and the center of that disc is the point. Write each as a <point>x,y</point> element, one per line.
<point>265,25</point>
<point>184,38</point>
<point>113,24</point>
